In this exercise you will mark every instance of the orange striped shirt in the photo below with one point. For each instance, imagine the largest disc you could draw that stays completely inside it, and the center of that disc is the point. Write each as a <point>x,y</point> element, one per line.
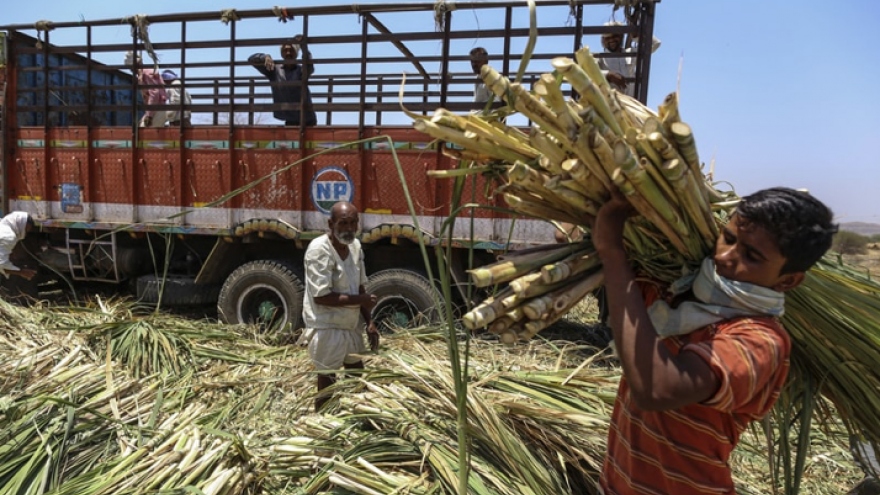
<point>685,451</point>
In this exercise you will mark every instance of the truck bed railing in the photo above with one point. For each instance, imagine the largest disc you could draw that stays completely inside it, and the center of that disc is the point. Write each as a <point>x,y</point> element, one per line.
<point>360,53</point>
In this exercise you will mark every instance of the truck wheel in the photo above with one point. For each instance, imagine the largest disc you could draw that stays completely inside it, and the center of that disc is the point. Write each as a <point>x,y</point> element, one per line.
<point>266,293</point>
<point>406,299</point>
<point>179,290</point>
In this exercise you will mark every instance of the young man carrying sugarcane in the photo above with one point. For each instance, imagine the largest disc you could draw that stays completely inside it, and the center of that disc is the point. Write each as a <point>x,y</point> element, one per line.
<point>697,371</point>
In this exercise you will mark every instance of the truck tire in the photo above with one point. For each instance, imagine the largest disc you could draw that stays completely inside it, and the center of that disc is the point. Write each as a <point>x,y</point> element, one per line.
<point>267,293</point>
<point>405,299</point>
<point>179,290</point>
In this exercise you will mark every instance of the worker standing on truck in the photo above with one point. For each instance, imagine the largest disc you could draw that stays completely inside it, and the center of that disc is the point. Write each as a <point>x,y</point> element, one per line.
<point>617,70</point>
<point>335,299</point>
<point>701,364</point>
<point>480,57</point>
<point>152,90</point>
<point>176,96</point>
<point>288,80</point>
<point>13,228</point>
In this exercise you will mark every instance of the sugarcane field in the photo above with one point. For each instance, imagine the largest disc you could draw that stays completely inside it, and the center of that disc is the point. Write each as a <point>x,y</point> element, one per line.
<point>166,308</point>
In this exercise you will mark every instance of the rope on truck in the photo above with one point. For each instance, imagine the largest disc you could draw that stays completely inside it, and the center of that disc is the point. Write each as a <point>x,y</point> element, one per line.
<point>441,7</point>
<point>140,28</point>
<point>42,26</point>
<point>282,14</point>
<point>229,15</point>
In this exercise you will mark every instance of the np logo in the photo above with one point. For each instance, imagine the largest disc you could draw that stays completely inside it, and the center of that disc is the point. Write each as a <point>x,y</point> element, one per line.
<point>331,184</point>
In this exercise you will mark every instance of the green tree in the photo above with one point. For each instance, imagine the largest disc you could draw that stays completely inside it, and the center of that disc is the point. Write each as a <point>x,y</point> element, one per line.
<point>846,242</point>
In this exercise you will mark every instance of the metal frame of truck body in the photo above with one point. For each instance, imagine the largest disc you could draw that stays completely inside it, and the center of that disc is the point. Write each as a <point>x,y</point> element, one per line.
<point>94,184</point>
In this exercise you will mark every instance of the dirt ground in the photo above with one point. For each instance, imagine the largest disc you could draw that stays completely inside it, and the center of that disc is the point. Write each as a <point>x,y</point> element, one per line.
<point>870,261</point>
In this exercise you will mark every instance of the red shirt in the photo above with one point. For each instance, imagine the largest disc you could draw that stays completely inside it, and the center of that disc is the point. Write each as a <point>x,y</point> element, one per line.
<point>685,451</point>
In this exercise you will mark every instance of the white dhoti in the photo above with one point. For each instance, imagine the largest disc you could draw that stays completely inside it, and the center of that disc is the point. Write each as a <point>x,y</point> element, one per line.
<point>330,348</point>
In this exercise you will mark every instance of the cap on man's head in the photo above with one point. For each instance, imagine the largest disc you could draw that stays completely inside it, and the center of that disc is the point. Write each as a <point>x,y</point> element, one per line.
<point>612,23</point>
<point>168,75</point>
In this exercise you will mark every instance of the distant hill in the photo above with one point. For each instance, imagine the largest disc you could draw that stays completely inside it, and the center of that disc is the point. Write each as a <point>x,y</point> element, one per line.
<point>862,228</point>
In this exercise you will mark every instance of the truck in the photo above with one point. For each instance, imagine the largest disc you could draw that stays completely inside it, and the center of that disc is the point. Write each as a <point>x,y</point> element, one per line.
<point>221,212</point>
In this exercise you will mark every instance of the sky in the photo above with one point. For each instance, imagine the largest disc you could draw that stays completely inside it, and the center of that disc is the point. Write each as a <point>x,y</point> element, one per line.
<point>780,93</point>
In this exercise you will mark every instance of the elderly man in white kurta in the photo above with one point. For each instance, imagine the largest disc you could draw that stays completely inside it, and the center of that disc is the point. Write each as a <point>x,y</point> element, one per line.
<point>13,228</point>
<point>335,299</point>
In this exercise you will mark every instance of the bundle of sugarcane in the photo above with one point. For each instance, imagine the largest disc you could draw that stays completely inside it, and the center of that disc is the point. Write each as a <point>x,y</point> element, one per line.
<point>562,170</point>
<point>544,284</point>
<point>578,150</point>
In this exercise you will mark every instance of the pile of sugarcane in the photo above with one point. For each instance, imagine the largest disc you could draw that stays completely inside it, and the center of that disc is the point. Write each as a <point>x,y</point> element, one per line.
<point>236,418</point>
<point>576,150</point>
<point>75,425</point>
<point>74,421</point>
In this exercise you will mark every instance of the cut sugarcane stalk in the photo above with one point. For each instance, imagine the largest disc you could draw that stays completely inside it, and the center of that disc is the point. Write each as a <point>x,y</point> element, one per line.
<point>488,311</point>
<point>677,173</point>
<point>587,155</point>
<point>529,253</point>
<point>507,320</point>
<point>568,268</point>
<point>647,210</point>
<point>647,188</point>
<point>508,137</point>
<point>603,152</point>
<point>653,125</point>
<point>509,337</point>
<point>548,89</point>
<point>658,178</point>
<point>501,325</point>
<point>562,301</point>
<point>539,210</point>
<point>564,179</point>
<point>589,65</point>
<point>581,83</point>
<point>640,142</point>
<point>687,147</point>
<point>523,101</point>
<point>531,285</point>
<point>592,187</point>
<point>537,307</point>
<point>520,284</point>
<point>549,165</point>
<point>547,145</point>
<point>591,118</point>
<point>578,204</point>
<point>474,145</point>
<point>669,111</point>
<point>529,178</point>
<point>664,147</point>
<point>516,266</point>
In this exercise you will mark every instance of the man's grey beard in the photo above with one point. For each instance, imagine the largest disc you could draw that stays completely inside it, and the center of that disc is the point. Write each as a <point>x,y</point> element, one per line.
<point>345,237</point>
